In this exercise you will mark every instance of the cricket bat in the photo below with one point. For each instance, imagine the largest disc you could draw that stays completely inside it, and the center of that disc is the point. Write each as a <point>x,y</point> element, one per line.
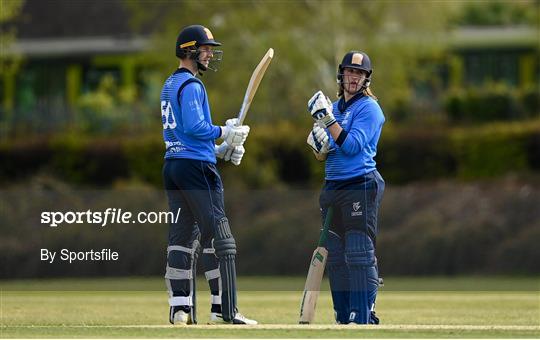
<point>315,275</point>
<point>253,85</point>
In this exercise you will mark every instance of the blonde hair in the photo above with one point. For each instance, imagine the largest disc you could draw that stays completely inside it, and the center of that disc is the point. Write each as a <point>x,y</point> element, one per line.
<point>367,92</point>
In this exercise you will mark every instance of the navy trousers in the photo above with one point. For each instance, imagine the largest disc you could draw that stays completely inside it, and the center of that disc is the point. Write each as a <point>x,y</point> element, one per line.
<point>356,203</point>
<point>352,265</point>
<point>195,188</point>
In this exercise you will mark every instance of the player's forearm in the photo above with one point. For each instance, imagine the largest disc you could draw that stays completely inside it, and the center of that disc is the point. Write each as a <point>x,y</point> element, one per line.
<point>352,142</point>
<point>335,130</point>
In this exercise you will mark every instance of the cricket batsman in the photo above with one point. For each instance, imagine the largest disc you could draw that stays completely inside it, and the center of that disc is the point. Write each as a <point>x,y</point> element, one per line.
<point>194,185</point>
<point>345,135</point>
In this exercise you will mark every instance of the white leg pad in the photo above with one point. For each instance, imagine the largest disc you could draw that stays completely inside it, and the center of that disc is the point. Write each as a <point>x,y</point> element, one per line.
<point>216,299</point>
<point>181,301</point>
<point>180,248</point>
<point>178,274</point>
<point>212,274</point>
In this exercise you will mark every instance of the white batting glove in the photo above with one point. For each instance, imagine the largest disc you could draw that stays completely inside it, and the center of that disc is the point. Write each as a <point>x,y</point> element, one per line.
<point>237,154</point>
<point>234,135</point>
<point>318,140</point>
<point>221,150</point>
<point>320,108</point>
<point>233,154</point>
<point>231,122</point>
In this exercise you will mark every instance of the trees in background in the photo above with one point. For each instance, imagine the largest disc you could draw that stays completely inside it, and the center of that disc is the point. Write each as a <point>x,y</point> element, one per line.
<point>310,38</point>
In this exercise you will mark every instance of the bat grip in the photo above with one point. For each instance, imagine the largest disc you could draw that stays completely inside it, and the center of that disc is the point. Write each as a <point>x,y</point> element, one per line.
<point>240,121</point>
<point>242,114</point>
<point>326,225</point>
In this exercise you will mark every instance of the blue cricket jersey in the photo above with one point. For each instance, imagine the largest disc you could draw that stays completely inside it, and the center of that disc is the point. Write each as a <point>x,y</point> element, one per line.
<point>188,131</point>
<point>353,153</point>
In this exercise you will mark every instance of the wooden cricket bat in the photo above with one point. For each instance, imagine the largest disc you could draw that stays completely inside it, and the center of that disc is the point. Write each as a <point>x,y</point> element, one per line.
<point>315,275</point>
<point>253,85</point>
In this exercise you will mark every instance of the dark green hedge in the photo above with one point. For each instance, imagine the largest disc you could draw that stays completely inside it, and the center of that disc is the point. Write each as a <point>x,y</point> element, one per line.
<point>493,102</point>
<point>278,155</point>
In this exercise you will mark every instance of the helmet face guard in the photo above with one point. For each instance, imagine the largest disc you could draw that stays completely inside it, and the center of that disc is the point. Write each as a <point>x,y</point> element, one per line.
<point>213,61</point>
<point>355,60</point>
<point>341,79</point>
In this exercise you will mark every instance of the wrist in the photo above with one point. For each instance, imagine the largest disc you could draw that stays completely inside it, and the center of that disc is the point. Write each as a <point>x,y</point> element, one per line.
<point>320,156</point>
<point>223,130</point>
<point>328,120</point>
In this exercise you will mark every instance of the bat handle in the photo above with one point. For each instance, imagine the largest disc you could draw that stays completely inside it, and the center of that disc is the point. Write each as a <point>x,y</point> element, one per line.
<point>327,221</point>
<point>241,116</point>
<point>240,121</point>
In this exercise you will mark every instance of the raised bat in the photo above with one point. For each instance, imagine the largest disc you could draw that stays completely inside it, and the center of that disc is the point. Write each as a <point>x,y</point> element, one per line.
<point>253,85</point>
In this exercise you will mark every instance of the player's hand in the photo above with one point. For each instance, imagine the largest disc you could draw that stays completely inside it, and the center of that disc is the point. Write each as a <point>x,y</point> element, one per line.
<point>231,122</point>
<point>221,150</point>
<point>233,154</point>
<point>234,135</point>
<point>318,140</point>
<point>237,153</point>
<point>320,108</point>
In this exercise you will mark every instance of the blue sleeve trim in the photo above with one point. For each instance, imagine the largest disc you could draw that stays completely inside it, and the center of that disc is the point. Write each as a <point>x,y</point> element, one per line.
<point>341,138</point>
<point>186,83</point>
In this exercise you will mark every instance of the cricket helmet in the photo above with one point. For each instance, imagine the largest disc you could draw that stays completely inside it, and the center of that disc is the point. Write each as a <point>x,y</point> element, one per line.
<point>194,36</point>
<point>190,39</point>
<point>357,60</point>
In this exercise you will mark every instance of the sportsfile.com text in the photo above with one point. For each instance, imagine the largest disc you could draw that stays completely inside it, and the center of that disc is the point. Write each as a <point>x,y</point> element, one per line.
<point>109,216</point>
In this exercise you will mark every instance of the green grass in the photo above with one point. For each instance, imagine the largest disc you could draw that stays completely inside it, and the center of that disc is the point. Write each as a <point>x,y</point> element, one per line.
<point>97,308</point>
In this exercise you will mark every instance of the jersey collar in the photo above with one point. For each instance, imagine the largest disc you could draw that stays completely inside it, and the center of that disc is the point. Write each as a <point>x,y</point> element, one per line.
<point>182,70</point>
<point>343,105</point>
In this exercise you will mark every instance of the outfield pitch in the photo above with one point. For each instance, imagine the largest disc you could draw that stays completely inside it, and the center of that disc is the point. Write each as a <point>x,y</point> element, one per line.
<point>431,310</point>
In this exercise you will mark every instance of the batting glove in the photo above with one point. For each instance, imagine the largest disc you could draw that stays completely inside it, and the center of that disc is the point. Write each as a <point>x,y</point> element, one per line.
<point>234,135</point>
<point>233,154</point>
<point>237,154</point>
<point>221,150</point>
<point>318,140</point>
<point>320,108</point>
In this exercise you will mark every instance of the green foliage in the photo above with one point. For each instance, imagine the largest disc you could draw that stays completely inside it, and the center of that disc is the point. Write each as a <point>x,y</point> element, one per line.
<point>492,102</point>
<point>490,156</point>
<point>108,109</point>
<point>277,155</point>
<point>530,98</point>
<point>144,156</point>
<point>415,154</point>
<point>82,160</point>
<point>499,12</point>
<point>10,10</point>
<point>309,39</point>
<point>68,159</point>
<point>493,150</point>
<point>10,61</point>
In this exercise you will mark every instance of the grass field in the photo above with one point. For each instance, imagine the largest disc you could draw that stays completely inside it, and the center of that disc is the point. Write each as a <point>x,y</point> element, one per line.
<point>408,307</point>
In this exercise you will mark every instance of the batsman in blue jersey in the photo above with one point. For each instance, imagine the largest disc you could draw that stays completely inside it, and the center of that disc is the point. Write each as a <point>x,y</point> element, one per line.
<point>194,185</point>
<point>345,135</point>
